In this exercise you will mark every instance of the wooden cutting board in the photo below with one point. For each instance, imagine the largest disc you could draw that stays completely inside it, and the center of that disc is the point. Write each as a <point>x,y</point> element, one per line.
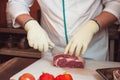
<point>45,65</point>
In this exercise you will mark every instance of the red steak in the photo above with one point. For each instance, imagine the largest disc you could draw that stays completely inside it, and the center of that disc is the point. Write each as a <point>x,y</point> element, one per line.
<point>68,61</point>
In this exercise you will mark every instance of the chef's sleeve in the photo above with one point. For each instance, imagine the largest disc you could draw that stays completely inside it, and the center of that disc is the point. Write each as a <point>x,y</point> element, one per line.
<point>18,7</point>
<point>113,7</point>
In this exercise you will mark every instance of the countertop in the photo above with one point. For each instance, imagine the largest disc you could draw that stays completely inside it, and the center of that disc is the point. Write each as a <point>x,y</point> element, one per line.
<point>45,65</point>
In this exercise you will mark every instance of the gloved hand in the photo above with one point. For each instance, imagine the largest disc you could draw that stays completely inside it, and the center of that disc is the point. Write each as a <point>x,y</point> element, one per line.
<point>37,37</point>
<point>80,41</point>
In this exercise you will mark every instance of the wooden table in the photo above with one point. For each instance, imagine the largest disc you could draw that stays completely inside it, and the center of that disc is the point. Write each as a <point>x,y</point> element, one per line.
<point>13,66</point>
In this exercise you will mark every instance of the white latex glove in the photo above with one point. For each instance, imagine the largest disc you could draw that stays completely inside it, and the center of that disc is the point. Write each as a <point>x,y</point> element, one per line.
<point>80,41</point>
<point>37,37</point>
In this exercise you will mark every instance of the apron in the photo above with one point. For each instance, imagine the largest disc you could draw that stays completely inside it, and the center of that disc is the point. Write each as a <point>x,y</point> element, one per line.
<point>77,13</point>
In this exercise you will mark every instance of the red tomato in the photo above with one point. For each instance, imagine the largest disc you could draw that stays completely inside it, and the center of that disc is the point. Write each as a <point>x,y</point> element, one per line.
<point>46,76</point>
<point>60,77</point>
<point>64,77</point>
<point>27,76</point>
<point>68,76</point>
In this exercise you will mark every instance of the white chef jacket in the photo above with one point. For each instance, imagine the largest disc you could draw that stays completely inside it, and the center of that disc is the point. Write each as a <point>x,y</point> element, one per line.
<point>77,13</point>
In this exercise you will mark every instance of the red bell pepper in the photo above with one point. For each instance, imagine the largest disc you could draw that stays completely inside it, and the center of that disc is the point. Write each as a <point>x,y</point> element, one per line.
<point>46,76</point>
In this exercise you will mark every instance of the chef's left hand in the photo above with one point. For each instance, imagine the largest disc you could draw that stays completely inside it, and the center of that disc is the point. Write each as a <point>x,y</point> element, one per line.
<point>80,41</point>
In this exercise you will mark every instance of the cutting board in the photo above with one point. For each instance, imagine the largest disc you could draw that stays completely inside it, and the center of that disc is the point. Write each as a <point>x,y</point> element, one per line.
<point>45,65</point>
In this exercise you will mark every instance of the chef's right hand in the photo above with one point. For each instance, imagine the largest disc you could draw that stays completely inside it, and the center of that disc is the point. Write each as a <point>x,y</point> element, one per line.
<point>37,37</point>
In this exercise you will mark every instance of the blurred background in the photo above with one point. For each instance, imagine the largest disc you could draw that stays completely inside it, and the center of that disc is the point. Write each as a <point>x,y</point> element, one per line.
<point>13,41</point>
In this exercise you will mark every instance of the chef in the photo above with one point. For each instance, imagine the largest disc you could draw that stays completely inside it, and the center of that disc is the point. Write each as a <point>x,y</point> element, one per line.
<point>76,27</point>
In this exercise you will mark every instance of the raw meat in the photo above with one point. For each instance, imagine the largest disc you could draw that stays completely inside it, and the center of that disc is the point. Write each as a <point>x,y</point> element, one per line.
<point>68,61</point>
